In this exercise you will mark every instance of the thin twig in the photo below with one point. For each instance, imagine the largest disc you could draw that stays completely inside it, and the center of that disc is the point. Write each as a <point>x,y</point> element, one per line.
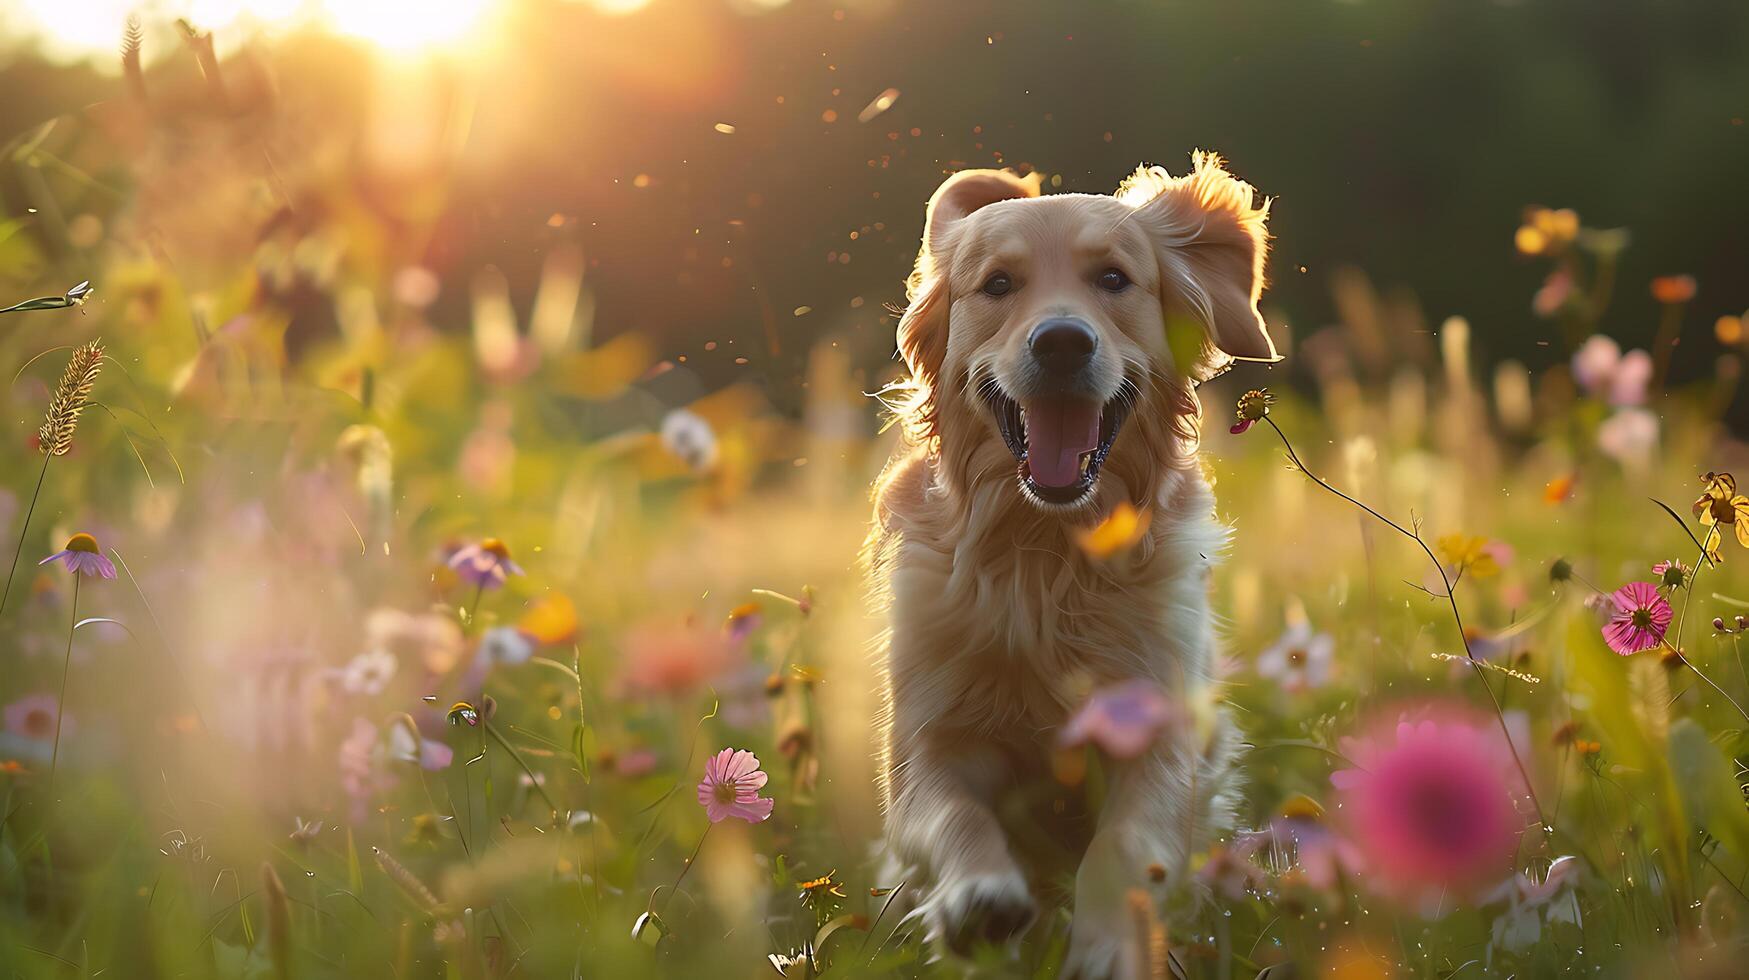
<point>1456,615</point>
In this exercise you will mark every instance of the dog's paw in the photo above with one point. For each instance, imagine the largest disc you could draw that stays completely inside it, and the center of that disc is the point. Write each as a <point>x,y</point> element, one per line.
<point>987,908</point>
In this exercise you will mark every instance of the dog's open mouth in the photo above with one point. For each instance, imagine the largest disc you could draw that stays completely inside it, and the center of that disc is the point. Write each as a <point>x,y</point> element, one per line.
<point>1060,441</point>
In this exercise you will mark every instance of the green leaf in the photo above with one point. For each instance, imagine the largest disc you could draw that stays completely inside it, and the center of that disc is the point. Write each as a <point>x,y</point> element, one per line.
<point>1709,789</point>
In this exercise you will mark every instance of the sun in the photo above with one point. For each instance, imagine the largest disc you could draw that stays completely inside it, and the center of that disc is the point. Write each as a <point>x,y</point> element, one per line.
<point>407,25</point>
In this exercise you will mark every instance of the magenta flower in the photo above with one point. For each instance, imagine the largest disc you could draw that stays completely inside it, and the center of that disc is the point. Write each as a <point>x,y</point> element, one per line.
<point>485,565</point>
<point>1430,806</point>
<point>732,780</point>
<point>1123,719</point>
<point>1640,619</point>
<point>34,716</point>
<point>82,557</point>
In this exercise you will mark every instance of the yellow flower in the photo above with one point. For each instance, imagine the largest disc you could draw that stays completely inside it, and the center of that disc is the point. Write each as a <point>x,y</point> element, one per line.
<point>1468,553</point>
<point>1119,532</point>
<point>1546,231</point>
<point>551,620</point>
<point>1720,503</point>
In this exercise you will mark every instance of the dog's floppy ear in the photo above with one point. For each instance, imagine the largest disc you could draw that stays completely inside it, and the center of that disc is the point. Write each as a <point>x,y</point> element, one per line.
<point>922,334</point>
<point>1211,240</point>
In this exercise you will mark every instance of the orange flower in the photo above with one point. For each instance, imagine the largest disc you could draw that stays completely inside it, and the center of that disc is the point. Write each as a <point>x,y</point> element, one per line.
<point>1673,289</point>
<point>1559,490</point>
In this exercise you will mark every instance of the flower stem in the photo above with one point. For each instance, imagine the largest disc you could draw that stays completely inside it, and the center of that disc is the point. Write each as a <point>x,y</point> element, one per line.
<point>683,869</point>
<point>1682,620</point>
<point>61,705</point>
<point>1456,615</point>
<point>533,781</point>
<point>23,531</point>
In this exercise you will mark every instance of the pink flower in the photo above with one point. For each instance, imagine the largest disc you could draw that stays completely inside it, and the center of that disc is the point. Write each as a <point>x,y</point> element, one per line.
<point>1604,371</point>
<point>1553,295</point>
<point>1640,619</point>
<point>33,716</point>
<point>1431,805</point>
<point>1299,660</point>
<point>485,565</point>
<point>1629,437</point>
<point>1123,719</point>
<point>673,659</point>
<point>82,557</point>
<point>1229,873</point>
<point>732,780</point>
<point>1672,573</point>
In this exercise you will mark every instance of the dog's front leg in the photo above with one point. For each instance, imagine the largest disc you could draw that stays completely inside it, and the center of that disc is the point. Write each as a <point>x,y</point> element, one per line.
<point>1160,806</point>
<point>940,818</point>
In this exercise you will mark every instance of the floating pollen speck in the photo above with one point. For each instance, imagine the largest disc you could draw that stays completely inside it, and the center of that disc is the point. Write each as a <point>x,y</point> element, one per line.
<point>727,129</point>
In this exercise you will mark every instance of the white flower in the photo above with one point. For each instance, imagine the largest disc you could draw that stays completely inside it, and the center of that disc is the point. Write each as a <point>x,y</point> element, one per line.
<point>1530,905</point>
<point>690,439</point>
<point>1299,660</point>
<point>506,646</point>
<point>1629,437</point>
<point>369,673</point>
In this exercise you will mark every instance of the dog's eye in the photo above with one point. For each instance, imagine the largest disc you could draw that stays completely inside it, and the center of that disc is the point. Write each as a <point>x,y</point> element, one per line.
<point>1113,281</point>
<point>998,284</point>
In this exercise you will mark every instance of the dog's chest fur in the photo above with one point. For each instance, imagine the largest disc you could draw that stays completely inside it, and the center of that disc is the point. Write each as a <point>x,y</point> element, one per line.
<point>1001,622</point>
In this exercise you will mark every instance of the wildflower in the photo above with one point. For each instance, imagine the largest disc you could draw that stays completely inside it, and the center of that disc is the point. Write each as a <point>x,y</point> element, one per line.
<point>1299,841</point>
<point>35,716</point>
<point>1672,573</point>
<point>1253,405</point>
<point>1472,554</point>
<point>741,623</point>
<point>1600,367</point>
<point>1430,804</point>
<point>1123,719</point>
<point>732,780</point>
<point>1546,231</point>
<point>1556,290</point>
<point>1299,660</point>
<point>1117,533</point>
<point>368,674</point>
<point>689,438</point>
<point>407,744</point>
<point>1728,330</point>
<point>82,557</point>
<point>485,565</point>
<point>822,894</point>
<point>357,766</point>
<point>1671,290</point>
<point>1720,503</point>
<point>1640,619</point>
<point>506,646</point>
<point>1629,437</point>
<point>1559,490</point>
<point>1228,871</point>
<point>673,659</point>
<point>1532,904</point>
<point>550,620</point>
<point>634,762</point>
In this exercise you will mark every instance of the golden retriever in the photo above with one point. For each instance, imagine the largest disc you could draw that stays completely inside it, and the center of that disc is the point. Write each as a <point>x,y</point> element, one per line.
<point>1043,391</point>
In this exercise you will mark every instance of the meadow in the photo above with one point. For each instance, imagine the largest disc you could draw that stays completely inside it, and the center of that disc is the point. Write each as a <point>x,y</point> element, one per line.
<point>373,614</point>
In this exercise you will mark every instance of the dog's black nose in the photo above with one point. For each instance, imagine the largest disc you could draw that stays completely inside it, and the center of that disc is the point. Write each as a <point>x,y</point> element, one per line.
<point>1063,345</point>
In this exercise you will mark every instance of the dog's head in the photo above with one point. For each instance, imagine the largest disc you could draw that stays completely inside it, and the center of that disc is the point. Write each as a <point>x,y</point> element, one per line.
<point>1039,328</point>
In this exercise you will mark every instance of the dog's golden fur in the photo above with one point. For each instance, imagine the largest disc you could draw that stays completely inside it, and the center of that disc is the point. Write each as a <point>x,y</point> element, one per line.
<point>997,623</point>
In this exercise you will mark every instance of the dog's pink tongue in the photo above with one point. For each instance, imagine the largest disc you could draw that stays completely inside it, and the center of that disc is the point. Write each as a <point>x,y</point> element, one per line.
<point>1059,431</point>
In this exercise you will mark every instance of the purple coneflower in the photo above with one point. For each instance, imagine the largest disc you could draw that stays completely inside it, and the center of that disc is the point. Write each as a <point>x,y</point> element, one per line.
<point>484,565</point>
<point>1640,619</point>
<point>732,780</point>
<point>34,716</point>
<point>82,557</point>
